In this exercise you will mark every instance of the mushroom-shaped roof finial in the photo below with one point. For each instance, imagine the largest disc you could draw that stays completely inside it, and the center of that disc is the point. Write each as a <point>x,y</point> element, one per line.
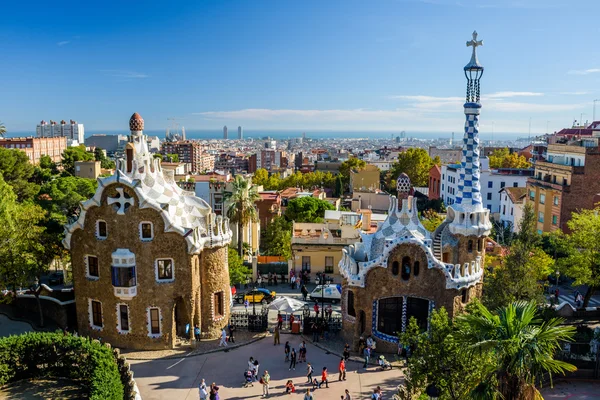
<point>136,122</point>
<point>403,183</point>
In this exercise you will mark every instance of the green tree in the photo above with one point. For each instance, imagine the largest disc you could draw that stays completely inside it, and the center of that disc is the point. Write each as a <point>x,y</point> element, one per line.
<point>17,171</point>
<point>439,359</point>
<point>45,171</point>
<point>2,129</point>
<point>19,235</point>
<point>171,158</point>
<point>339,186</point>
<point>104,161</point>
<point>241,208</point>
<point>583,247</point>
<point>237,270</point>
<point>72,154</point>
<point>414,162</point>
<point>431,220</point>
<point>351,164</point>
<point>521,345</point>
<point>307,209</point>
<point>278,238</point>
<point>503,158</point>
<point>61,196</point>
<point>518,275</point>
<point>261,177</point>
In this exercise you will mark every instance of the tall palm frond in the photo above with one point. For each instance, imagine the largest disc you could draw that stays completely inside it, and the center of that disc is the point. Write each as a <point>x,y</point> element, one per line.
<point>523,345</point>
<point>241,209</point>
<point>2,130</point>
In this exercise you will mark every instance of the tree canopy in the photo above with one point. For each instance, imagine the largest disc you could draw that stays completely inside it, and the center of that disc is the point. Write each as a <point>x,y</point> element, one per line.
<point>237,270</point>
<point>414,162</point>
<point>307,209</point>
<point>72,154</point>
<point>520,271</point>
<point>104,161</point>
<point>62,195</point>
<point>241,206</point>
<point>503,158</point>
<point>277,240</point>
<point>351,164</point>
<point>306,181</point>
<point>17,171</point>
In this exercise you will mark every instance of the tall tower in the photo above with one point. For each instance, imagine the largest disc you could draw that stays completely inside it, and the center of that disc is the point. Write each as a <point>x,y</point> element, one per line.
<point>467,215</point>
<point>240,133</point>
<point>225,132</point>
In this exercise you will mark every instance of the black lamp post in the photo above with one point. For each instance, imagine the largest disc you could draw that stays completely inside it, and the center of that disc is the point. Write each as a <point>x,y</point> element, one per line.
<point>323,296</point>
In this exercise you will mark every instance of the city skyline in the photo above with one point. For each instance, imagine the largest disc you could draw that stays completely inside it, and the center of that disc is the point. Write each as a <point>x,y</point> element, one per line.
<point>343,66</point>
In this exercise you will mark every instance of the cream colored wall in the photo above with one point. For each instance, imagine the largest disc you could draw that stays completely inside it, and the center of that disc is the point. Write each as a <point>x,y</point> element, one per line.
<point>317,259</point>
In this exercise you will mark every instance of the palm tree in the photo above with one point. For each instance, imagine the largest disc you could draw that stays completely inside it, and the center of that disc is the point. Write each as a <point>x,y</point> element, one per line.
<point>522,344</point>
<point>2,130</point>
<point>241,209</point>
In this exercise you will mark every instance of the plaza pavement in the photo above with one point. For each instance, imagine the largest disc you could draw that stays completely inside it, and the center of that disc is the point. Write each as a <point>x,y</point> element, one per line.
<point>572,390</point>
<point>179,378</point>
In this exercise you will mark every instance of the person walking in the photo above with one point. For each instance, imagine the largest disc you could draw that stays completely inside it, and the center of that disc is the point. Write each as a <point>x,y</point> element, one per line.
<point>366,354</point>
<point>231,330</point>
<point>347,395</point>
<point>287,350</point>
<point>292,319</point>
<point>302,352</point>
<point>246,304</point>
<point>293,360</point>
<point>342,368</point>
<point>308,395</point>
<point>197,333</point>
<point>324,378</point>
<point>315,331</point>
<point>309,372</point>
<point>316,308</point>
<point>265,382</point>
<point>304,291</point>
<point>346,352</point>
<point>276,336</point>
<point>223,341</point>
<point>279,321</point>
<point>203,390</point>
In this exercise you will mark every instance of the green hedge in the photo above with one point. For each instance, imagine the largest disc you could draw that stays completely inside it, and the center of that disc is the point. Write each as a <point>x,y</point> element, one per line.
<point>54,355</point>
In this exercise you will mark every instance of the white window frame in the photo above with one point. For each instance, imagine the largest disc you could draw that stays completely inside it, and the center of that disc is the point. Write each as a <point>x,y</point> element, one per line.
<point>172,270</point>
<point>151,231</point>
<point>98,230</point>
<point>149,322</point>
<point>87,267</point>
<point>91,315</point>
<point>119,329</point>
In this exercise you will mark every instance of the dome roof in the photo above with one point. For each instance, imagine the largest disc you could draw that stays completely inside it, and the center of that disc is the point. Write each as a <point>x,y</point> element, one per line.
<point>403,183</point>
<point>136,122</point>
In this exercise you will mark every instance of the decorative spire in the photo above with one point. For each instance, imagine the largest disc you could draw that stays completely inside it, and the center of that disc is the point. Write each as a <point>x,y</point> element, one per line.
<point>136,122</point>
<point>473,71</point>
<point>467,214</point>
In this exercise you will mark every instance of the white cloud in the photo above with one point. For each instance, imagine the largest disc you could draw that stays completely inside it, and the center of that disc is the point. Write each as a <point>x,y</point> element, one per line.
<point>584,71</point>
<point>512,94</point>
<point>64,42</point>
<point>124,74</point>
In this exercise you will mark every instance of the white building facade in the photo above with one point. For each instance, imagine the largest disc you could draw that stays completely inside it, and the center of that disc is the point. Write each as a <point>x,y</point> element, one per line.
<point>512,201</point>
<point>73,131</point>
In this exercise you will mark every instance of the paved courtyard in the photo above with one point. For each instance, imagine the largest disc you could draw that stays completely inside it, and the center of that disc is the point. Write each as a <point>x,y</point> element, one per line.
<point>573,390</point>
<point>9,327</point>
<point>179,378</point>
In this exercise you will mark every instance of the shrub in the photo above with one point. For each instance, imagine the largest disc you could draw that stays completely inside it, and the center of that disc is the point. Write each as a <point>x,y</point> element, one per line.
<point>55,355</point>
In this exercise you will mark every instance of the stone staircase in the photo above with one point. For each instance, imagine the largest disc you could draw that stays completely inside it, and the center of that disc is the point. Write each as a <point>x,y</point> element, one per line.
<point>437,245</point>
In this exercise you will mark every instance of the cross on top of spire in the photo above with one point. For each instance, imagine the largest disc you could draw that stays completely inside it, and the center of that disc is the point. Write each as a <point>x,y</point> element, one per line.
<point>474,63</point>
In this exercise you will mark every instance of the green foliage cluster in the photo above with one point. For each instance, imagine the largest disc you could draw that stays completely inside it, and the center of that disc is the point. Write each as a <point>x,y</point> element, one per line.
<point>278,238</point>
<point>55,355</point>
<point>104,161</point>
<point>520,272</point>
<point>241,205</point>
<point>484,355</point>
<point>306,181</point>
<point>431,220</point>
<point>72,154</point>
<point>503,158</point>
<point>307,209</point>
<point>17,171</point>
<point>237,270</point>
<point>414,162</point>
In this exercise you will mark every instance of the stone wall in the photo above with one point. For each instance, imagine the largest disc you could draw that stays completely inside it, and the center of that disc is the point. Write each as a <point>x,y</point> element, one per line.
<point>63,315</point>
<point>123,232</point>
<point>214,276</point>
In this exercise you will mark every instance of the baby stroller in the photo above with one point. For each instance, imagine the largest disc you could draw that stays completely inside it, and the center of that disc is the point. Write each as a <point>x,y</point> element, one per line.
<point>384,364</point>
<point>248,378</point>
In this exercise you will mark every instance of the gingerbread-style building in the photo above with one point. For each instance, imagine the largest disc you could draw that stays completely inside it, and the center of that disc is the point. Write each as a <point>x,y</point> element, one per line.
<point>148,257</point>
<point>404,271</point>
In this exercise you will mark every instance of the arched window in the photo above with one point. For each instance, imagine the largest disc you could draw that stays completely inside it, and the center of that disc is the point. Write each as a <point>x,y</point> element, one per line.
<point>470,246</point>
<point>350,306</point>
<point>395,268</point>
<point>405,268</point>
<point>416,267</point>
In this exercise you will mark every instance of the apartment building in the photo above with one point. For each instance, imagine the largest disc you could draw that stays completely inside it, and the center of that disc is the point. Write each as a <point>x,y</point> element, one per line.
<point>35,148</point>
<point>566,182</point>
<point>191,152</point>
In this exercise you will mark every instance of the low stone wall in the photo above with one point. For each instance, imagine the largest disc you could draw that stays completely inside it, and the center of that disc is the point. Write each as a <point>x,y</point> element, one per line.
<point>62,314</point>
<point>131,391</point>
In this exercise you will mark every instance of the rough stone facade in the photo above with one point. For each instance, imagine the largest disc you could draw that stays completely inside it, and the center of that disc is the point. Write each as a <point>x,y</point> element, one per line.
<point>197,255</point>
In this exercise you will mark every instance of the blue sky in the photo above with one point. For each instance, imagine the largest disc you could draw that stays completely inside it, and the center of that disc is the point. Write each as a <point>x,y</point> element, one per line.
<point>339,65</point>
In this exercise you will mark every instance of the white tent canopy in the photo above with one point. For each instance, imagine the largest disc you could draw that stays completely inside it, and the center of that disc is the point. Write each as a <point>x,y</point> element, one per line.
<point>286,304</point>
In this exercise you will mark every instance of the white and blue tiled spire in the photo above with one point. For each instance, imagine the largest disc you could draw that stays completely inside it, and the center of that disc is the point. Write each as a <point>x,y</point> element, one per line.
<point>467,215</point>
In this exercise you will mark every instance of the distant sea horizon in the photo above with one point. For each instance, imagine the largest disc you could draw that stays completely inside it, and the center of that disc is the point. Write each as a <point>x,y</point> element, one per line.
<point>206,134</point>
